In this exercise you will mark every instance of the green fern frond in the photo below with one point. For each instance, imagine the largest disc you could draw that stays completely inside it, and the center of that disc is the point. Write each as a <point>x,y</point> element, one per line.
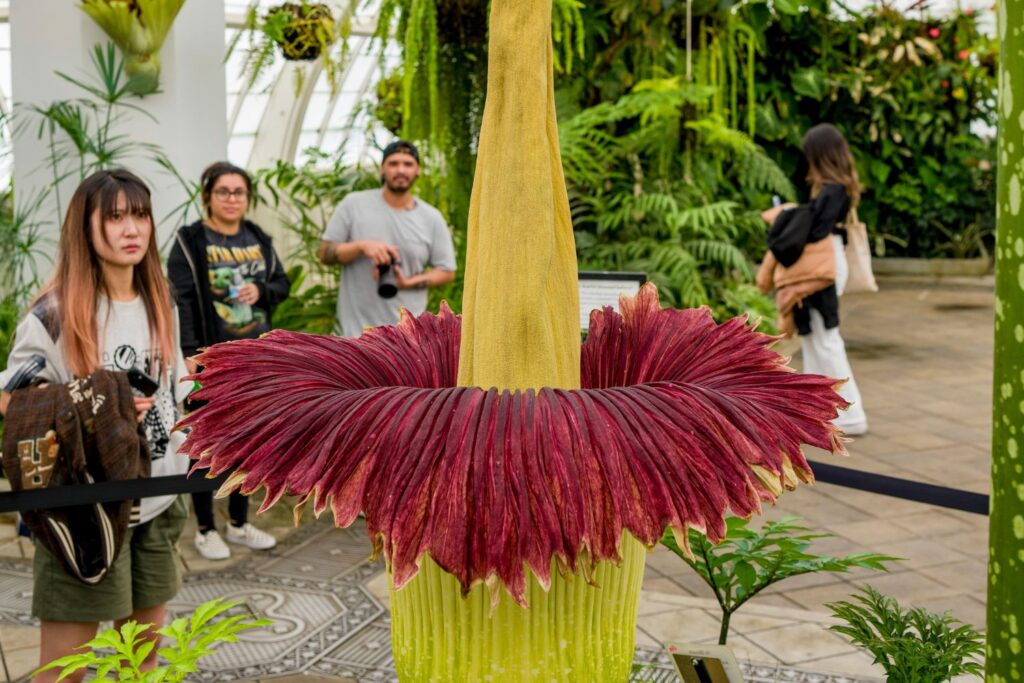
<point>723,255</point>
<point>702,220</point>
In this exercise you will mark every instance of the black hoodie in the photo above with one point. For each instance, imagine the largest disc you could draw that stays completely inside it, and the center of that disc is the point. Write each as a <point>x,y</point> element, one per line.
<point>187,270</point>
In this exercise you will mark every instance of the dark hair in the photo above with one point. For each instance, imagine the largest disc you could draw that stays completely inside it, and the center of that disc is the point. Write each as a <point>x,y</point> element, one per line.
<point>401,147</point>
<point>213,172</point>
<point>829,161</point>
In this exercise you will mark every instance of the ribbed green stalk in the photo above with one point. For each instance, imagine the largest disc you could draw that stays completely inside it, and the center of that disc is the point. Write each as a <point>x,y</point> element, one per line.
<point>574,632</point>
<point>1005,637</point>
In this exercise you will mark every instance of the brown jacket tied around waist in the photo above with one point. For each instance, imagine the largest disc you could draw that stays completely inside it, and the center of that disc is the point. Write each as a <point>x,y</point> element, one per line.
<point>815,270</point>
<point>77,433</point>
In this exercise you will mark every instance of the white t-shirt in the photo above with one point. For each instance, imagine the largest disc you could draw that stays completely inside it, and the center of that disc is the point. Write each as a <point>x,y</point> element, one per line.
<point>124,342</point>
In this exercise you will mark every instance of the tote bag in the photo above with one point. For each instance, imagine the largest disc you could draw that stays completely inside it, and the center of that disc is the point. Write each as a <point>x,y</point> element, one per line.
<point>858,256</point>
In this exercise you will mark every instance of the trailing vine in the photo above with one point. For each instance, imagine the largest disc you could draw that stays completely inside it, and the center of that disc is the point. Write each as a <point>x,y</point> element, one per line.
<point>628,41</point>
<point>442,80</point>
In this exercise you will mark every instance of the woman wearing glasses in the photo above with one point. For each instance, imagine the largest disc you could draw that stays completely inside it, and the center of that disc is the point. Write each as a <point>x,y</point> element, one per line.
<point>227,280</point>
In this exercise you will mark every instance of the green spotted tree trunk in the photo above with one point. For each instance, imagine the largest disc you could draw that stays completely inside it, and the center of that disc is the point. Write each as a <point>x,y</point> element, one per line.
<point>1004,655</point>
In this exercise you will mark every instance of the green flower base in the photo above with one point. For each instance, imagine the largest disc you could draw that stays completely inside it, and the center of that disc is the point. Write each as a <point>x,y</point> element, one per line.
<point>574,632</point>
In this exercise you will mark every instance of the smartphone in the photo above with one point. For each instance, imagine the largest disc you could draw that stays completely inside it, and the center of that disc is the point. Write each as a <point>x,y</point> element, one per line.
<point>142,382</point>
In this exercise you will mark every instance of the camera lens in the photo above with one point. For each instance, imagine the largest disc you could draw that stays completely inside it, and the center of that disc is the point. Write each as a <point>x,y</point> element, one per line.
<point>386,286</point>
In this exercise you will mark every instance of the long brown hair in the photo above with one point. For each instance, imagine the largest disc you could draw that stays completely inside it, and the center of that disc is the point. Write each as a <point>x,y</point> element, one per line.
<point>77,283</point>
<point>830,161</point>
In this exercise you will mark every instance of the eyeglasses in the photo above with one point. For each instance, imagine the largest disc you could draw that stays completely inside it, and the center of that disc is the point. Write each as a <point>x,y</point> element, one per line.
<point>224,193</point>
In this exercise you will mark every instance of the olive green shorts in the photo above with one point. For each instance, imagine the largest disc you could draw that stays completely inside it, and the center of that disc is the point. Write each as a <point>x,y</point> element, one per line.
<point>146,573</point>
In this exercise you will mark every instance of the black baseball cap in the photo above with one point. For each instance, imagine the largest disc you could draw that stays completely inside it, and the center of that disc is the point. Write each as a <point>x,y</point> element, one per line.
<point>401,147</point>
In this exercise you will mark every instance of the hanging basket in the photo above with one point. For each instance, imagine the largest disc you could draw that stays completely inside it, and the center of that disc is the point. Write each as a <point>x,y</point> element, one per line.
<point>303,31</point>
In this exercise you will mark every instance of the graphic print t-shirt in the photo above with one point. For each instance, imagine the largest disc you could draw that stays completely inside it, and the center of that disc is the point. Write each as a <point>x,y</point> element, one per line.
<point>233,261</point>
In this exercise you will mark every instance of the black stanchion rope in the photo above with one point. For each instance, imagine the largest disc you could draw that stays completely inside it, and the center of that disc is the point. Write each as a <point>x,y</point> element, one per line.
<point>106,492</point>
<point>109,491</point>
<point>940,496</point>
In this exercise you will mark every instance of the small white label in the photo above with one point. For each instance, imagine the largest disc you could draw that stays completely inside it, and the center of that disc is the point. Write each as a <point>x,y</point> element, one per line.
<point>598,290</point>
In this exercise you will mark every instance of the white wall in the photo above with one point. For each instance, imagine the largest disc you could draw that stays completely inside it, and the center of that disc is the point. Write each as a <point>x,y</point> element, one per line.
<point>190,110</point>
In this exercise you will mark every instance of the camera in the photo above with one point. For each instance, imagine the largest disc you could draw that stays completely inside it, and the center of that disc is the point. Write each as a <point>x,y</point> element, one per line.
<point>387,288</point>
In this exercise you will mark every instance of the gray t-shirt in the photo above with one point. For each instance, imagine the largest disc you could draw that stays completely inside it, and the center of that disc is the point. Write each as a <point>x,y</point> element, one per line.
<point>422,238</point>
<point>124,342</point>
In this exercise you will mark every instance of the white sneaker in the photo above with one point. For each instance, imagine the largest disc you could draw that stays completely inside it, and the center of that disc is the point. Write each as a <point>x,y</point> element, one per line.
<point>859,428</point>
<point>249,536</point>
<point>211,546</point>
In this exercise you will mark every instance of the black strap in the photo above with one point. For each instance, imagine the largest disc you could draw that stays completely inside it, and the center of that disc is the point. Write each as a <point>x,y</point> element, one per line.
<point>106,492</point>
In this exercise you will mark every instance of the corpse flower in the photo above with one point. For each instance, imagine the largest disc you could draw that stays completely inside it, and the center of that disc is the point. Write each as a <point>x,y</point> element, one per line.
<point>679,419</point>
<point>511,479</point>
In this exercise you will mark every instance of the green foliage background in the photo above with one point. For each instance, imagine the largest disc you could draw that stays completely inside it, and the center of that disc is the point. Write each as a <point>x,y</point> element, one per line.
<point>915,97</point>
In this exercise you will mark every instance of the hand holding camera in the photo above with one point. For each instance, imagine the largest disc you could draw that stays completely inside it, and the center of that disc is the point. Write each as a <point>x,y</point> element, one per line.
<point>381,253</point>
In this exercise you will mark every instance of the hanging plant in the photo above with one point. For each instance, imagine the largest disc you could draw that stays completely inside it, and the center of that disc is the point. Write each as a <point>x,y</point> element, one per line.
<point>442,78</point>
<point>139,28</point>
<point>300,32</point>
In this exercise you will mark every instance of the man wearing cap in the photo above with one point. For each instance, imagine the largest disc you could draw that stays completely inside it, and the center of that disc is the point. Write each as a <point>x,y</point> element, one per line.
<point>387,226</point>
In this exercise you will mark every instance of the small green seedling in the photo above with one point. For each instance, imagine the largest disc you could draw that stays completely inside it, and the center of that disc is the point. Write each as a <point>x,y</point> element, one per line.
<point>118,655</point>
<point>748,561</point>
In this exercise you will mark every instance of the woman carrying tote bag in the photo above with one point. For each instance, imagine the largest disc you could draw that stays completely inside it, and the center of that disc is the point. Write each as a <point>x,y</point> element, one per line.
<point>835,191</point>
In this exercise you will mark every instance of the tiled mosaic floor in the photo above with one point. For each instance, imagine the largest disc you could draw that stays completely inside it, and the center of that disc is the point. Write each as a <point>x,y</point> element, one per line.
<point>330,617</point>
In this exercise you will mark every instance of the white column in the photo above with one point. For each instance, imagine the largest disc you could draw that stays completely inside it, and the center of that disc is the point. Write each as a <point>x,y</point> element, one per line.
<point>189,112</point>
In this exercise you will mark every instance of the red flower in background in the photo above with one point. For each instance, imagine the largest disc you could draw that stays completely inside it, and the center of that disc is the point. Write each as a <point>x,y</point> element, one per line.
<point>964,54</point>
<point>679,420</point>
<point>934,32</point>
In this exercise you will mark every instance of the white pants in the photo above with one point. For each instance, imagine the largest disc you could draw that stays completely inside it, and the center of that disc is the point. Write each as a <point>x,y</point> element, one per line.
<point>824,353</point>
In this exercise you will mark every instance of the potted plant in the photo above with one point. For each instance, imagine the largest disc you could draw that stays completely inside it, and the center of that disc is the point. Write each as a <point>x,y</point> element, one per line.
<point>301,31</point>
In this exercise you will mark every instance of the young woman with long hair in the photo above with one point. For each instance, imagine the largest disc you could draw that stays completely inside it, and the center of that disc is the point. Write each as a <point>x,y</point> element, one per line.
<point>227,280</point>
<point>835,192</point>
<point>108,306</point>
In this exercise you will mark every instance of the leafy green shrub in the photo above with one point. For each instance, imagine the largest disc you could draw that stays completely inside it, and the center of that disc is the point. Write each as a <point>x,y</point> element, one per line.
<point>122,652</point>
<point>913,645</point>
<point>657,188</point>
<point>310,308</point>
<point>748,560</point>
<point>915,97</point>
<point>306,195</point>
